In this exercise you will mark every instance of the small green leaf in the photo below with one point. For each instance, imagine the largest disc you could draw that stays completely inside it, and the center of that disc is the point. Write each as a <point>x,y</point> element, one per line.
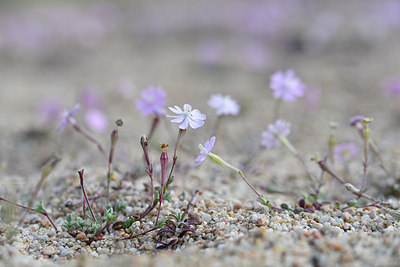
<point>39,207</point>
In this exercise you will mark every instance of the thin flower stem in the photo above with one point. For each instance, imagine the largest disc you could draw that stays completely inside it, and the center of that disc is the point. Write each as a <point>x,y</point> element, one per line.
<point>181,134</point>
<point>44,213</point>
<point>84,194</point>
<point>244,179</point>
<point>143,233</point>
<point>154,125</point>
<point>193,201</point>
<point>87,135</point>
<point>322,164</point>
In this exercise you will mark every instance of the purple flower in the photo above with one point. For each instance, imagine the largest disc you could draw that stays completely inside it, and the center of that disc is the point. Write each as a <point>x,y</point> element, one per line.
<point>225,105</point>
<point>356,120</point>
<point>286,86</point>
<point>187,117</point>
<point>205,150</point>
<point>152,100</point>
<point>96,120</point>
<point>346,151</point>
<point>270,138</point>
<point>49,111</point>
<point>66,117</point>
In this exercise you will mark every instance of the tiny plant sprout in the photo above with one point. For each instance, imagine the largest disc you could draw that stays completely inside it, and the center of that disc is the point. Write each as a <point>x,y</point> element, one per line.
<point>152,101</point>
<point>224,105</point>
<point>39,209</point>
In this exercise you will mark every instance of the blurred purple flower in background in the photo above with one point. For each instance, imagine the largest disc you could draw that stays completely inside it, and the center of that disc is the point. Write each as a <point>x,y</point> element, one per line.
<point>96,120</point>
<point>225,105</point>
<point>205,150</point>
<point>286,86</point>
<point>187,117</point>
<point>393,87</point>
<point>49,111</point>
<point>152,100</point>
<point>66,117</point>
<point>270,138</point>
<point>346,151</point>
<point>91,98</point>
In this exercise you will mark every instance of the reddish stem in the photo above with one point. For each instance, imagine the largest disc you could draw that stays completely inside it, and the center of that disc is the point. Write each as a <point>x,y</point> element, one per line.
<point>84,194</point>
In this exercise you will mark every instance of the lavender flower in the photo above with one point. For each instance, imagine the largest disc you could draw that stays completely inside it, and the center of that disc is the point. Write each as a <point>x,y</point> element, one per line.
<point>205,150</point>
<point>356,121</point>
<point>187,117</point>
<point>286,86</point>
<point>225,105</point>
<point>346,151</point>
<point>271,137</point>
<point>66,117</point>
<point>152,100</point>
<point>96,120</point>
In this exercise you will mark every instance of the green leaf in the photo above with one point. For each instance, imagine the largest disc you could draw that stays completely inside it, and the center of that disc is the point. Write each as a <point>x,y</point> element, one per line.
<point>39,207</point>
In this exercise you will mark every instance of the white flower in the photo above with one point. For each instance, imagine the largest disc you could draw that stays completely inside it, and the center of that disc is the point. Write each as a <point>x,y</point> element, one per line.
<point>225,105</point>
<point>187,117</point>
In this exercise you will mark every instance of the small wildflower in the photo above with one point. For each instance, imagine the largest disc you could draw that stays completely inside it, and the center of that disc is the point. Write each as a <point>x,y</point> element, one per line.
<point>225,105</point>
<point>205,150</point>
<point>270,137</point>
<point>286,86</point>
<point>65,118</point>
<point>346,151</point>
<point>354,121</point>
<point>152,100</point>
<point>187,117</point>
<point>96,120</point>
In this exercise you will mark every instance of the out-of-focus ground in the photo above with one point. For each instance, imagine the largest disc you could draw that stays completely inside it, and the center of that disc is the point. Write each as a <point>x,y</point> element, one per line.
<point>345,52</point>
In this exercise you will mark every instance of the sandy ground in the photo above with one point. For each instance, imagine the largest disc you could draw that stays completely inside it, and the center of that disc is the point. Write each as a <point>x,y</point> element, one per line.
<point>344,77</point>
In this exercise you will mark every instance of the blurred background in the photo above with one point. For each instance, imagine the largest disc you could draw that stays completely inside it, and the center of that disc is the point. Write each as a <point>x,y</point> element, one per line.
<point>101,54</point>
